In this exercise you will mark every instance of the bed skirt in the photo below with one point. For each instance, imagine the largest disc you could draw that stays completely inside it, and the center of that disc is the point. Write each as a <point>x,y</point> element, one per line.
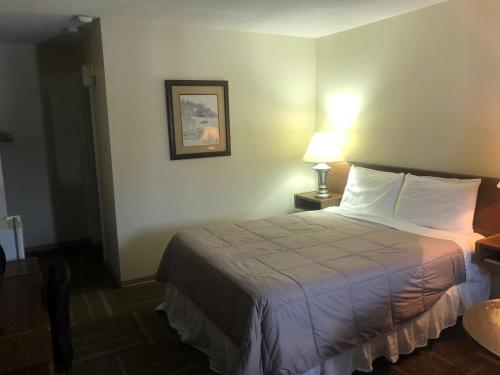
<point>198,331</point>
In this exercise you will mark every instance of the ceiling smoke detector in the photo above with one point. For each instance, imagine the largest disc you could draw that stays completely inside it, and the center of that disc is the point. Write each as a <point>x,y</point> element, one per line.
<point>83,19</point>
<point>76,23</point>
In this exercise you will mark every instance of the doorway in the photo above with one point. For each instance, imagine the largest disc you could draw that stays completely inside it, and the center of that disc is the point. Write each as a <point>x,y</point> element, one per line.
<point>50,167</point>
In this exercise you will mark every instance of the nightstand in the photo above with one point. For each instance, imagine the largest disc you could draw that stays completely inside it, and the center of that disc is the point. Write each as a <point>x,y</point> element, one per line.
<point>307,201</point>
<point>488,253</point>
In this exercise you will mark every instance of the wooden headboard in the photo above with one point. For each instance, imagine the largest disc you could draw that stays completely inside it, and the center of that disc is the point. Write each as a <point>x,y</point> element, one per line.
<point>486,217</point>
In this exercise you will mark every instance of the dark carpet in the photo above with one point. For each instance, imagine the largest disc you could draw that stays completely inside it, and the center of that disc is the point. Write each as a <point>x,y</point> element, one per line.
<point>117,331</point>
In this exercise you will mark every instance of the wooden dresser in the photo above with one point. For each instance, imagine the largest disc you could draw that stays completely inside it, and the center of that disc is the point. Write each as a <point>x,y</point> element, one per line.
<point>25,338</point>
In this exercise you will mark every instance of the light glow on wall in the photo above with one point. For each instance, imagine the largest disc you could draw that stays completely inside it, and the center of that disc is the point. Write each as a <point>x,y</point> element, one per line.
<point>342,110</point>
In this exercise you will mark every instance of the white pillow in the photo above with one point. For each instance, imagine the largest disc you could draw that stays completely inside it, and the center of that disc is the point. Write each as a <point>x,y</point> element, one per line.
<point>441,203</point>
<point>372,192</point>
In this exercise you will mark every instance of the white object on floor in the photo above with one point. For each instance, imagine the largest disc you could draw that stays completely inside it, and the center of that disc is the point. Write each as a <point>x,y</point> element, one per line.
<point>11,237</point>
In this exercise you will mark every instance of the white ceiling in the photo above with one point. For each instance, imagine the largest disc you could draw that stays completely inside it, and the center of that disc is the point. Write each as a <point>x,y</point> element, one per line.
<point>30,21</point>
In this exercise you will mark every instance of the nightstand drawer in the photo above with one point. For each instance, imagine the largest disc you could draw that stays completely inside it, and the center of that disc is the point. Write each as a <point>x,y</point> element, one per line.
<point>487,253</point>
<point>303,204</point>
<point>493,261</point>
<point>307,201</point>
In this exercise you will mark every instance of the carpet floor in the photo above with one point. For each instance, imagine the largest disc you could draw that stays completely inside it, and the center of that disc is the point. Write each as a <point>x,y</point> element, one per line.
<point>117,331</point>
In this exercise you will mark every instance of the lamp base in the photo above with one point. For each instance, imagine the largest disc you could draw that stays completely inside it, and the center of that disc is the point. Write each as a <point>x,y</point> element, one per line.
<point>322,170</point>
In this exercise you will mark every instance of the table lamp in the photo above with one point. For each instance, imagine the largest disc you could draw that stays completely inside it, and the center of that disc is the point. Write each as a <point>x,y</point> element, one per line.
<point>323,149</point>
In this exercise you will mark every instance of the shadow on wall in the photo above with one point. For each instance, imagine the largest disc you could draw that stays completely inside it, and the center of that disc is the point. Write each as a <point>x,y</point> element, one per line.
<point>68,134</point>
<point>142,254</point>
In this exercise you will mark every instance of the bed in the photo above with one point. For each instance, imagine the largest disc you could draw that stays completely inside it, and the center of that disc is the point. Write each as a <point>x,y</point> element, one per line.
<point>321,292</point>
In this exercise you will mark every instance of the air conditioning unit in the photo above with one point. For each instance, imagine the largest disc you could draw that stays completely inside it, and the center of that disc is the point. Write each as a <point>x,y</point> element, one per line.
<point>11,228</point>
<point>11,237</point>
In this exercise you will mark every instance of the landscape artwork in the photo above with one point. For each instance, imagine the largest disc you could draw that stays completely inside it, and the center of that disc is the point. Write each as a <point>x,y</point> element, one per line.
<point>200,120</point>
<point>197,119</point>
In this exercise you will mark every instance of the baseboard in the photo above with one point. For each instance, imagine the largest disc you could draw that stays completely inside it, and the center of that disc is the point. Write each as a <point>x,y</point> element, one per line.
<point>38,250</point>
<point>139,281</point>
<point>131,282</point>
<point>113,274</point>
<point>58,245</point>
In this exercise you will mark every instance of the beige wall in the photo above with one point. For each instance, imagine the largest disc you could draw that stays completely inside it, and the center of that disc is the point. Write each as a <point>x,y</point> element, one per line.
<point>271,100</point>
<point>427,84</point>
<point>419,90</point>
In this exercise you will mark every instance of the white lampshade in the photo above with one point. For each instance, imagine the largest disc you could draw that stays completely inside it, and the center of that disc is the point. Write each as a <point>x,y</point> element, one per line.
<point>323,148</point>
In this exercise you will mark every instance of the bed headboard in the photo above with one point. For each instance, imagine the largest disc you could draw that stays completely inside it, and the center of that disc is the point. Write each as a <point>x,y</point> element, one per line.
<point>486,217</point>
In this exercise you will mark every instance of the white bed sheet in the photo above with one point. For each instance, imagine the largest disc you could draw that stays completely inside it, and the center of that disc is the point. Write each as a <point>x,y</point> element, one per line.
<point>465,241</point>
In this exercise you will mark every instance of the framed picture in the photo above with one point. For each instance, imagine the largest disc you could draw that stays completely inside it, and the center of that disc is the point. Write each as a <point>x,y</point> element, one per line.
<point>198,119</point>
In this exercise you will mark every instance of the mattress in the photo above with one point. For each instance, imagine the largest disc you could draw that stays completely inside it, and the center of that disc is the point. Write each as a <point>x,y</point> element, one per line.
<point>292,292</point>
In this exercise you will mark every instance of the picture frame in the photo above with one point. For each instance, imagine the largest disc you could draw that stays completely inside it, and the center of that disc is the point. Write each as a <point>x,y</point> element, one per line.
<point>198,118</point>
